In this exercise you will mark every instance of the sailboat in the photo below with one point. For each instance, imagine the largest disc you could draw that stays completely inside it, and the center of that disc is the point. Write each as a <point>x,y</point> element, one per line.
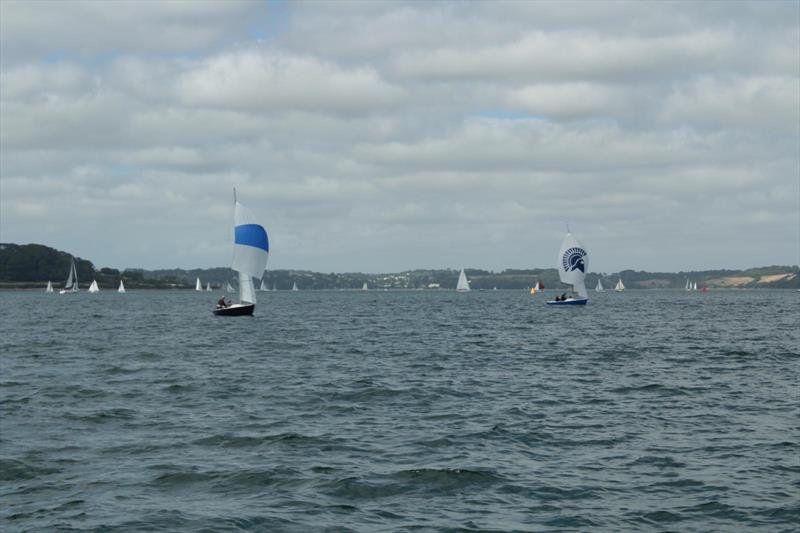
<point>537,287</point>
<point>572,264</point>
<point>694,286</point>
<point>688,285</point>
<point>599,287</point>
<point>463,284</point>
<point>228,286</point>
<point>121,287</point>
<point>263,287</point>
<point>364,287</point>
<point>294,286</point>
<point>250,253</point>
<point>49,287</point>
<point>93,287</point>
<point>72,281</point>
<point>208,286</point>
<point>198,286</point>
<point>619,287</point>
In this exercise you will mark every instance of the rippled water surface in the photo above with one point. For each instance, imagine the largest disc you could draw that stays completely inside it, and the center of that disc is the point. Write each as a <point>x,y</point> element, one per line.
<point>376,411</point>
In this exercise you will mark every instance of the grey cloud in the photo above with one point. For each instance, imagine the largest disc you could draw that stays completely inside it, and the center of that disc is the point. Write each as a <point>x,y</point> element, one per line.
<point>38,30</point>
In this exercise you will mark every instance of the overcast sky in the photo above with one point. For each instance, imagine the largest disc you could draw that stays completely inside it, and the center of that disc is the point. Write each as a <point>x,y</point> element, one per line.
<point>384,136</point>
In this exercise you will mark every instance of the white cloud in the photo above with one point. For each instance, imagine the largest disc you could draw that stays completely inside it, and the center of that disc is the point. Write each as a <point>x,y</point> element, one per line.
<point>271,82</point>
<point>710,102</point>
<point>569,55</point>
<point>568,100</point>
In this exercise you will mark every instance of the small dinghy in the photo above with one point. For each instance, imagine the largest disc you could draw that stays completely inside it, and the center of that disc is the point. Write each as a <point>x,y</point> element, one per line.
<point>569,301</point>
<point>250,253</point>
<point>572,263</point>
<point>242,309</point>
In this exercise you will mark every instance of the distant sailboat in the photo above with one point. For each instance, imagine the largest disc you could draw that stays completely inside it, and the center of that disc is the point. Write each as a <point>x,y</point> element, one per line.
<point>72,281</point>
<point>198,286</point>
<point>250,254</point>
<point>121,287</point>
<point>688,285</point>
<point>694,286</point>
<point>208,286</point>
<point>49,287</point>
<point>599,287</point>
<point>294,287</point>
<point>572,264</point>
<point>263,287</point>
<point>228,287</point>
<point>364,287</point>
<point>619,287</point>
<point>93,287</point>
<point>463,284</point>
<point>537,287</point>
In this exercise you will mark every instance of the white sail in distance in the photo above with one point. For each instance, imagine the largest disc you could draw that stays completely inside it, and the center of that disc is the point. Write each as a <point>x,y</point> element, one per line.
<point>463,283</point>
<point>599,287</point>
<point>49,287</point>
<point>198,286</point>
<point>93,287</point>
<point>121,287</point>
<point>72,279</point>
<point>572,264</point>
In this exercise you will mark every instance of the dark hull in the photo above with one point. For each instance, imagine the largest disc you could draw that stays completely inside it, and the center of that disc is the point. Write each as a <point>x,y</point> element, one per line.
<point>577,301</point>
<point>235,310</point>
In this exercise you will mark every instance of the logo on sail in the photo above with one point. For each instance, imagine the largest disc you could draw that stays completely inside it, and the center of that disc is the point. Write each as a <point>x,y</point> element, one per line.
<point>573,259</point>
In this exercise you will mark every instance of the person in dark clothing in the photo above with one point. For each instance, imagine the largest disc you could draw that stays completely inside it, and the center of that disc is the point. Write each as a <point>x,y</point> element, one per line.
<point>221,302</point>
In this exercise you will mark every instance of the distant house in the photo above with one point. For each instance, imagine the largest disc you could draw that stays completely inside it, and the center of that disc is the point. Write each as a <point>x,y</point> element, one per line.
<point>433,285</point>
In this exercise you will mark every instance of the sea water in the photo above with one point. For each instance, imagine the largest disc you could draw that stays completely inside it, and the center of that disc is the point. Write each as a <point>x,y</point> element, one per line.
<point>379,411</point>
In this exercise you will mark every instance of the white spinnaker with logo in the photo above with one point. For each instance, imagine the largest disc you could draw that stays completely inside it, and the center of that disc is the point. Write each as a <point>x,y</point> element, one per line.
<point>572,264</point>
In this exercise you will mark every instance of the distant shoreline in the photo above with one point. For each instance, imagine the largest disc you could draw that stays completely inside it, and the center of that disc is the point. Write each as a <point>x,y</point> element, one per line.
<point>40,288</point>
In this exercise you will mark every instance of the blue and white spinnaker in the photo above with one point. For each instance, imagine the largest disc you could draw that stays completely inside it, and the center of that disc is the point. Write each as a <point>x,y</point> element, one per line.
<point>250,251</point>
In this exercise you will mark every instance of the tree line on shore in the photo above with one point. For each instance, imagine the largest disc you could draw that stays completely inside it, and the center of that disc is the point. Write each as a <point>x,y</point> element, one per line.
<point>30,265</point>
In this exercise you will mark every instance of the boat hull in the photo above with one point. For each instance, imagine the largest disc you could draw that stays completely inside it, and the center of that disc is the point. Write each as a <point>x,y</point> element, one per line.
<point>574,301</point>
<point>235,310</point>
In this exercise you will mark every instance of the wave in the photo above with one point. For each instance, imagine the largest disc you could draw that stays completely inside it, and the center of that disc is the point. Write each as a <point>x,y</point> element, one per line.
<point>15,470</point>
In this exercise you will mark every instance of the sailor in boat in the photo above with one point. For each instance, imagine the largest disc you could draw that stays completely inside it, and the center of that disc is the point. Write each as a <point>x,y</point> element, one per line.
<point>566,297</point>
<point>221,303</point>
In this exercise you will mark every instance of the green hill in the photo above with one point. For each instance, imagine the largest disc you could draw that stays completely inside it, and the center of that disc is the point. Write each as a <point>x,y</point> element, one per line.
<point>32,265</point>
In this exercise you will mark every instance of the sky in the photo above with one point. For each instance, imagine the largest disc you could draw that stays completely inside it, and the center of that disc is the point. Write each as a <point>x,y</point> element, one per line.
<point>385,136</point>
